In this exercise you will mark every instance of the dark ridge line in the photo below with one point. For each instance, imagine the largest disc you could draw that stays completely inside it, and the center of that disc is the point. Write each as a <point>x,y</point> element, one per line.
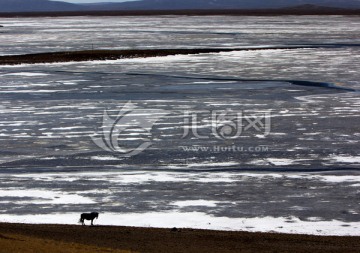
<point>294,82</point>
<point>92,55</point>
<point>267,170</point>
<point>27,169</point>
<point>321,84</point>
<point>335,45</point>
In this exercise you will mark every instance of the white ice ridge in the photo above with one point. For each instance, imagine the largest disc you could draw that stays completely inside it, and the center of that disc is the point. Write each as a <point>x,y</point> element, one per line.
<point>346,159</point>
<point>200,220</point>
<point>139,177</point>
<point>200,202</point>
<point>26,74</point>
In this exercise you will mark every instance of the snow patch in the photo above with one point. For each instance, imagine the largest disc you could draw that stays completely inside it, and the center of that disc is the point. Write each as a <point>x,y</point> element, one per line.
<point>200,220</point>
<point>200,202</point>
<point>26,74</point>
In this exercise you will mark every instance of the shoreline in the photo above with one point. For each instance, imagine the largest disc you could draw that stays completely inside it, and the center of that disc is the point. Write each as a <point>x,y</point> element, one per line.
<point>223,12</point>
<point>288,224</point>
<point>137,239</point>
<point>102,55</point>
<point>108,54</point>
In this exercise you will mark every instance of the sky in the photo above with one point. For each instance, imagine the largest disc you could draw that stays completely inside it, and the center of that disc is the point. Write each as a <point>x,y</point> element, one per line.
<point>94,1</point>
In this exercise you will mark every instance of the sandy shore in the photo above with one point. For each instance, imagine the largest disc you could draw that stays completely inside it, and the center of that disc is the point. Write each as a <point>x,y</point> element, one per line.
<point>72,238</point>
<point>100,55</point>
<point>92,55</point>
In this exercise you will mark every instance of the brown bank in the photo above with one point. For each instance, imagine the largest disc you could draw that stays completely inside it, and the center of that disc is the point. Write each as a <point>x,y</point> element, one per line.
<point>74,239</point>
<point>101,55</point>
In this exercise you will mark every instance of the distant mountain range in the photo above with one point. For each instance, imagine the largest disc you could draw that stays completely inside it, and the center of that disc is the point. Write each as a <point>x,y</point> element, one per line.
<point>47,5</point>
<point>225,4</point>
<point>36,5</point>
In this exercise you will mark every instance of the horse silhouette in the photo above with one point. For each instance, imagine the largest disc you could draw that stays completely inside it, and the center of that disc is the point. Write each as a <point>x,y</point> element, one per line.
<point>88,216</point>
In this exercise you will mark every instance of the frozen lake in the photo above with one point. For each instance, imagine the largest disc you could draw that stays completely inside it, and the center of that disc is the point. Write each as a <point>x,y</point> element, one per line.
<point>295,161</point>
